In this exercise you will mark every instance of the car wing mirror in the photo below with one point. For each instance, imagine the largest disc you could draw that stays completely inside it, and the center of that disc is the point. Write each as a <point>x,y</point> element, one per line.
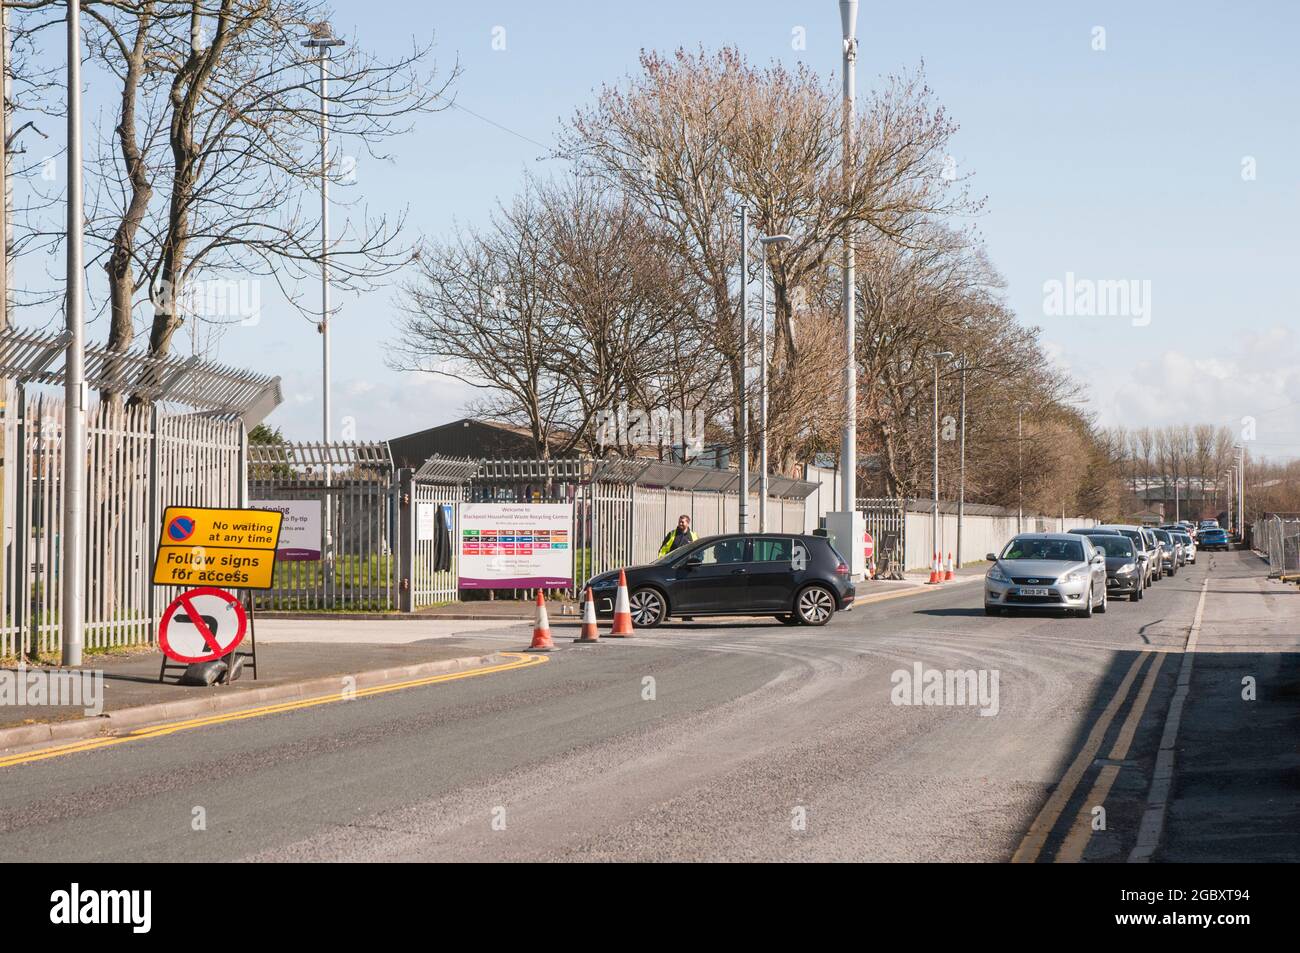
<point>992,557</point>
<point>695,559</point>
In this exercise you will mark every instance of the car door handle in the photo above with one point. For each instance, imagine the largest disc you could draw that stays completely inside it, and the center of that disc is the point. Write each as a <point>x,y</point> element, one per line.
<point>739,572</point>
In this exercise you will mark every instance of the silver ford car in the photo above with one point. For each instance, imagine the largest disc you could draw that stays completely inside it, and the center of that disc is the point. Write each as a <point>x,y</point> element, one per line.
<point>1061,571</point>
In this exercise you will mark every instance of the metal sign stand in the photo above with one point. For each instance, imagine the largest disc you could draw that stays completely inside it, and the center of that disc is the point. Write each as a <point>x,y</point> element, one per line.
<point>250,655</point>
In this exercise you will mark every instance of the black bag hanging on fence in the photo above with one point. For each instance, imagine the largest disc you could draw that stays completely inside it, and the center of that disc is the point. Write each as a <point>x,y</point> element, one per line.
<point>441,541</point>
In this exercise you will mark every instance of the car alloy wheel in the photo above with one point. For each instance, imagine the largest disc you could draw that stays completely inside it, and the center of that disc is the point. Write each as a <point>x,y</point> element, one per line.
<point>815,606</point>
<point>647,608</point>
<point>1086,611</point>
<point>1104,597</point>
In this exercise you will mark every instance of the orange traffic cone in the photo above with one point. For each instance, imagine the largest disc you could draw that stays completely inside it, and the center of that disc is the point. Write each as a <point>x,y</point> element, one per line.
<point>622,628</point>
<point>590,632</point>
<point>947,576</point>
<point>541,628</point>
<point>934,570</point>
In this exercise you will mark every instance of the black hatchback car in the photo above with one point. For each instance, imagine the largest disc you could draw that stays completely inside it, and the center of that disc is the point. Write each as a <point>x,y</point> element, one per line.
<point>800,580</point>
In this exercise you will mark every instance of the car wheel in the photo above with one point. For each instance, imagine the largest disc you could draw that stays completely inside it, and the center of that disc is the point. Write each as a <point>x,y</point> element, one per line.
<point>1104,597</point>
<point>648,608</point>
<point>1135,595</point>
<point>786,619</point>
<point>814,605</point>
<point>1086,611</point>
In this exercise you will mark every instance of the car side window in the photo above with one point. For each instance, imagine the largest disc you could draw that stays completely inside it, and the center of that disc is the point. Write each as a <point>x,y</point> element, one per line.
<point>772,550</point>
<point>724,551</point>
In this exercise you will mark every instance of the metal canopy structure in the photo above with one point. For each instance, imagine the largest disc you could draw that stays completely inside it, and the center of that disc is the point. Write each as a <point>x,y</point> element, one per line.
<point>448,471</point>
<point>211,389</point>
<point>265,460</point>
<point>677,476</point>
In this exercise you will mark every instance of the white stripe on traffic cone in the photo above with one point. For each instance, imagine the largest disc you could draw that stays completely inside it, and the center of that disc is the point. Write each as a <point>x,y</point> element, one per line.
<point>590,631</point>
<point>622,627</point>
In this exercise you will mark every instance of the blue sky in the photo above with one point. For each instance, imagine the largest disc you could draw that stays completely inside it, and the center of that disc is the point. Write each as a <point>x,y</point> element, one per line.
<point>1117,164</point>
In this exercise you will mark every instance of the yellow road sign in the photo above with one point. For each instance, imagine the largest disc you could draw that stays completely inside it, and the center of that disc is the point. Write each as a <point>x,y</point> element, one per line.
<point>207,546</point>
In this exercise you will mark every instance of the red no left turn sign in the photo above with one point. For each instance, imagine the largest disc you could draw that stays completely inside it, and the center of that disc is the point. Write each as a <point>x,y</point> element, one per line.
<point>201,625</point>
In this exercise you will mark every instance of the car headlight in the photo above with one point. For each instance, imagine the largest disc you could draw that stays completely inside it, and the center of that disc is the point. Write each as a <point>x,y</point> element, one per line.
<point>1071,577</point>
<point>1127,568</point>
<point>997,575</point>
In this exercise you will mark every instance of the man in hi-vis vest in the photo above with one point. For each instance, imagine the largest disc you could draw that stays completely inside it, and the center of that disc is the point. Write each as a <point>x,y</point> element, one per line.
<point>679,536</point>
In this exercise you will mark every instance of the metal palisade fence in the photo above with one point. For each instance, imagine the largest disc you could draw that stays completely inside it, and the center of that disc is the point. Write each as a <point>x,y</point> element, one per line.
<point>1277,536</point>
<point>353,486</point>
<point>175,436</point>
<point>139,460</point>
<point>389,554</point>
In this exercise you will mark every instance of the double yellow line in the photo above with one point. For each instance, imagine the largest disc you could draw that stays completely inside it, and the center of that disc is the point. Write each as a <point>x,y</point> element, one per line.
<point>169,728</point>
<point>1076,840</point>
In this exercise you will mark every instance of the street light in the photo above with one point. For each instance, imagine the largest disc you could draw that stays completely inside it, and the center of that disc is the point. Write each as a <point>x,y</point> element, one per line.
<point>72,628</point>
<point>1020,468</point>
<point>961,462</point>
<point>764,241</point>
<point>849,442</point>
<point>1239,515</point>
<point>937,355</point>
<point>743,513</point>
<point>322,40</point>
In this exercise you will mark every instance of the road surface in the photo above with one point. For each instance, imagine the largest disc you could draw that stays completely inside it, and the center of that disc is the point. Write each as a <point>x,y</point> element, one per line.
<point>736,742</point>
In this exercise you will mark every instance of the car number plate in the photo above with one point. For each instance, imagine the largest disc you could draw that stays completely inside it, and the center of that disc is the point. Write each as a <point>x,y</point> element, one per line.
<point>1034,592</point>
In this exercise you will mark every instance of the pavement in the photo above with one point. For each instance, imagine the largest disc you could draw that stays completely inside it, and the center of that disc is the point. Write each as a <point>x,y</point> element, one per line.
<point>738,741</point>
<point>131,682</point>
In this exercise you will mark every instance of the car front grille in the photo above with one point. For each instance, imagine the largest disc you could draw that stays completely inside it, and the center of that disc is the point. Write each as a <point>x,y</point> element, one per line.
<point>1032,581</point>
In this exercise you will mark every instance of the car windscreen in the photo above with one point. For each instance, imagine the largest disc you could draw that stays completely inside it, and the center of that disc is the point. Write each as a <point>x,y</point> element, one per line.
<point>1138,540</point>
<point>1163,536</point>
<point>677,553</point>
<point>1062,550</point>
<point>1113,545</point>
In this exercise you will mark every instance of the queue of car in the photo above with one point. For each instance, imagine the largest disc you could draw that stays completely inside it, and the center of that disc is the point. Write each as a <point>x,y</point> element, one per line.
<point>1080,571</point>
<point>804,580</point>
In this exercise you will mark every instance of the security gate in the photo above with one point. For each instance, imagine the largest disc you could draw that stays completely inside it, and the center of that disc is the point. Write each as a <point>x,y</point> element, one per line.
<point>887,525</point>
<point>352,483</point>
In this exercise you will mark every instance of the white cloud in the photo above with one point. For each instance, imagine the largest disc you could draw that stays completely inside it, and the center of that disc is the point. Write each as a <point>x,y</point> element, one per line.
<point>397,404</point>
<point>1249,375</point>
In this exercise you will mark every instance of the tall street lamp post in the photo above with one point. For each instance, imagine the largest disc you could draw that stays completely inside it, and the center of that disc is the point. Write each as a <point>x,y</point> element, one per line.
<point>938,355</point>
<point>764,241</point>
<point>744,370</point>
<point>961,463</point>
<point>74,419</point>
<point>323,41</point>
<point>849,441</point>
<point>1020,469</point>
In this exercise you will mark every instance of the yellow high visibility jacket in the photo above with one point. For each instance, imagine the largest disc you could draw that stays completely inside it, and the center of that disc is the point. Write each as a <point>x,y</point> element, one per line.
<point>667,546</point>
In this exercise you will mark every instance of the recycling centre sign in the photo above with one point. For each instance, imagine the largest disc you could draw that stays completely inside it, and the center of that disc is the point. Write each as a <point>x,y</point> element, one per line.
<point>206,546</point>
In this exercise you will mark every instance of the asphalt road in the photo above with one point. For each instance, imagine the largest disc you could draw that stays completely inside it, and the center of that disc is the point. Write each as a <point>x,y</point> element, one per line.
<point>758,742</point>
